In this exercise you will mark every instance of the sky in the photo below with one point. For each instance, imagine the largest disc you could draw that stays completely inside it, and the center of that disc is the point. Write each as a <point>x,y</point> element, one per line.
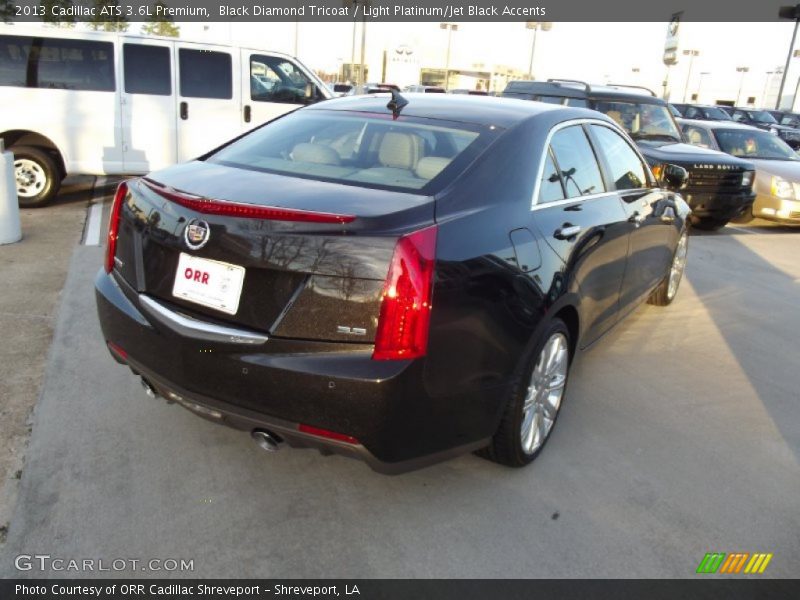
<point>594,52</point>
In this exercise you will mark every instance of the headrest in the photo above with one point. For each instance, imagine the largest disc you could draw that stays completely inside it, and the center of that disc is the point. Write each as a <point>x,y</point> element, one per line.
<point>430,166</point>
<point>315,153</point>
<point>399,150</point>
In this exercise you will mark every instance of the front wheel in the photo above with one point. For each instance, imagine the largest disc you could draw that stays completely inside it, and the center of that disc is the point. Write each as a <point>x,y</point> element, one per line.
<point>37,176</point>
<point>664,294</point>
<point>532,411</point>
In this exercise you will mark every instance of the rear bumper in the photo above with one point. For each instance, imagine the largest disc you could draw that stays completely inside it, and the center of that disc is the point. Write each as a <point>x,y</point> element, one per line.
<point>717,205</point>
<point>279,384</point>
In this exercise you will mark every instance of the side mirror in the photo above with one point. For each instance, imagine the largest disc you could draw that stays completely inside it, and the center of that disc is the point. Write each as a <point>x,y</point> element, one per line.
<point>672,177</point>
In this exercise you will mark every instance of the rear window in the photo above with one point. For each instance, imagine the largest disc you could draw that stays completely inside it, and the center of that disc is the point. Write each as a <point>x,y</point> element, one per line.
<point>406,154</point>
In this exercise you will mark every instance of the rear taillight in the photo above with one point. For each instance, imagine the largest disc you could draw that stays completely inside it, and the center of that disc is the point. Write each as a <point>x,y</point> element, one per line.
<point>406,301</point>
<point>324,433</point>
<point>113,225</point>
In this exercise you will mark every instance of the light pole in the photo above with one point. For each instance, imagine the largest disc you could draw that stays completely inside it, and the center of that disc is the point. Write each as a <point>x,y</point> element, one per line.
<point>743,71</point>
<point>535,26</point>
<point>450,27</point>
<point>788,12</point>
<point>691,54</point>
<point>700,84</point>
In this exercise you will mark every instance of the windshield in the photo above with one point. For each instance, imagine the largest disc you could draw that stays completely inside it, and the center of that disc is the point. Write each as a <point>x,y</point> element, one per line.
<point>718,114</point>
<point>357,149</point>
<point>643,121</point>
<point>754,144</point>
<point>762,116</point>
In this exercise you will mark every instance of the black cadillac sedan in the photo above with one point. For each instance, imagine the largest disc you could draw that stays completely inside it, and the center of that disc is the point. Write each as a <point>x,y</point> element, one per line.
<point>394,278</point>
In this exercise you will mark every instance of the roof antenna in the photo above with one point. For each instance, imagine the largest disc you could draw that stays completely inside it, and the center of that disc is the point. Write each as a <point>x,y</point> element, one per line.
<point>396,104</point>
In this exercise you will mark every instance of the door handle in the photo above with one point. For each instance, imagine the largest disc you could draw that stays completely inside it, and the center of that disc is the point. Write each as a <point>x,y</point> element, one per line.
<point>247,113</point>
<point>184,110</point>
<point>637,218</point>
<point>566,231</point>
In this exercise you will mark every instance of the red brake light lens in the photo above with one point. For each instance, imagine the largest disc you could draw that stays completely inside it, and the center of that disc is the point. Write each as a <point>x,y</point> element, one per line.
<point>406,300</point>
<point>210,206</point>
<point>331,435</point>
<point>113,225</point>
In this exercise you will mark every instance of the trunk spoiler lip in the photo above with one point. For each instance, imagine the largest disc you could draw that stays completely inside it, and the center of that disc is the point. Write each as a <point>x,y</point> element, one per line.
<point>214,206</point>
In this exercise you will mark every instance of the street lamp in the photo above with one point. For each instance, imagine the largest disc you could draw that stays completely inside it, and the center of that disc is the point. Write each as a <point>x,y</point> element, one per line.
<point>743,71</point>
<point>450,27</point>
<point>788,12</point>
<point>691,54</point>
<point>535,26</point>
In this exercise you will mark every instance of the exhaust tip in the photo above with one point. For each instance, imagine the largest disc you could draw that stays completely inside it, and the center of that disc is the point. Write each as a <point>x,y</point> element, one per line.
<point>148,388</point>
<point>266,440</point>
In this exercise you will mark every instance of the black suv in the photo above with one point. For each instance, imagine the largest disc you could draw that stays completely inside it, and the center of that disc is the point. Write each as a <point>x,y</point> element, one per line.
<point>703,112</point>
<point>720,187</point>
<point>763,119</point>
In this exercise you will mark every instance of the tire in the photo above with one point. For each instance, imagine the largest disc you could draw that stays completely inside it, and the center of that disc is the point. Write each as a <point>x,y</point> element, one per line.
<point>745,217</point>
<point>665,293</point>
<point>709,223</point>
<point>510,445</point>
<point>38,177</point>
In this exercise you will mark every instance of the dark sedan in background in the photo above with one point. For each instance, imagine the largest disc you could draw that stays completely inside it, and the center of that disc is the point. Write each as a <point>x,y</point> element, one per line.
<point>763,119</point>
<point>394,282</point>
<point>777,165</point>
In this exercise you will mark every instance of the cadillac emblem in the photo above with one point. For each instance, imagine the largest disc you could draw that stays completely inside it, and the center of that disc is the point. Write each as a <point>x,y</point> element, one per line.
<point>196,234</point>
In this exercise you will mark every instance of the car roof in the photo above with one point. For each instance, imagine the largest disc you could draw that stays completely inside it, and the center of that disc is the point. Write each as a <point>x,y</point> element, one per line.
<point>479,110</point>
<point>579,89</point>
<point>718,124</point>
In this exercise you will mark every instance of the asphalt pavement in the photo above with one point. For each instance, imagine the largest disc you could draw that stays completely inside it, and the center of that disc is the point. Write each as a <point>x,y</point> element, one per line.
<point>680,435</point>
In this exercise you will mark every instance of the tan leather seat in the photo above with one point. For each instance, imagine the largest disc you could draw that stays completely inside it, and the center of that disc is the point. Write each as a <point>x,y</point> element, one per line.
<point>430,166</point>
<point>400,150</point>
<point>315,153</point>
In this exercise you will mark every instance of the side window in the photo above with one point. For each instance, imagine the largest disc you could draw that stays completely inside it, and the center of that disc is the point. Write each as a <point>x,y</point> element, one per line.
<point>697,136</point>
<point>147,70</point>
<point>14,51</point>
<point>693,113</point>
<point>205,74</point>
<point>738,116</point>
<point>274,79</point>
<point>626,169</point>
<point>578,102</point>
<point>550,188</point>
<point>577,162</point>
<point>60,64</point>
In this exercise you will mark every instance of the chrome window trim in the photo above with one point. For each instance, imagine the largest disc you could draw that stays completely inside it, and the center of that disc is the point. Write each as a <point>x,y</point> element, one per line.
<point>563,125</point>
<point>196,329</point>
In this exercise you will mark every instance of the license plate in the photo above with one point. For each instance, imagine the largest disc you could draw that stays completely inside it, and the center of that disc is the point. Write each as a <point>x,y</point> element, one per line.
<point>211,283</point>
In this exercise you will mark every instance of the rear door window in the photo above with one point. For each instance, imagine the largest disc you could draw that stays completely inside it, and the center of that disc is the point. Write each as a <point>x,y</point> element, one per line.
<point>577,162</point>
<point>205,74</point>
<point>625,167</point>
<point>147,70</point>
<point>550,188</point>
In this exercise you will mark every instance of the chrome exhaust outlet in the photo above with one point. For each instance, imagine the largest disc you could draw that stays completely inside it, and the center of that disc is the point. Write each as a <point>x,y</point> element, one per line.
<point>266,440</point>
<point>148,388</point>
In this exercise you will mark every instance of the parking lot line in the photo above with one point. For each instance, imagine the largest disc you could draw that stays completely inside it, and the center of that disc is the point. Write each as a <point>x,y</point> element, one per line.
<point>741,229</point>
<point>92,237</point>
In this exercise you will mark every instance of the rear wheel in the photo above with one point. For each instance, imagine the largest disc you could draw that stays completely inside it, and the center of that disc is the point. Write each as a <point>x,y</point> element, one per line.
<point>709,223</point>
<point>664,294</point>
<point>37,176</point>
<point>532,411</point>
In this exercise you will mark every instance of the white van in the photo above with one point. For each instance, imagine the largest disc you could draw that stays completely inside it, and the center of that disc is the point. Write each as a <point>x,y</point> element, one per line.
<point>107,103</point>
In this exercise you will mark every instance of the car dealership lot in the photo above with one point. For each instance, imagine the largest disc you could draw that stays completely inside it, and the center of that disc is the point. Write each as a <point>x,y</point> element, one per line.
<point>680,435</point>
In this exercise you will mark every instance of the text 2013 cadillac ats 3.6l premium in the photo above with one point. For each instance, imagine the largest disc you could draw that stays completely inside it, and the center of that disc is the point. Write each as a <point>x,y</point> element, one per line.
<point>394,278</point>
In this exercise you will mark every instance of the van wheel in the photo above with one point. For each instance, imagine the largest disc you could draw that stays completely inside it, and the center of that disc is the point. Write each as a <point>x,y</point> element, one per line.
<point>37,175</point>
<point>533,409</point>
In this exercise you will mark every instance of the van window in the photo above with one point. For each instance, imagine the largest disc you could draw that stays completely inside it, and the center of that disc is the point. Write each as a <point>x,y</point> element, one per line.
<point>274,79</point>
<point>205,74</point>
<point>54,63</point>
<point>147,70</point>
<point>577,162</point>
